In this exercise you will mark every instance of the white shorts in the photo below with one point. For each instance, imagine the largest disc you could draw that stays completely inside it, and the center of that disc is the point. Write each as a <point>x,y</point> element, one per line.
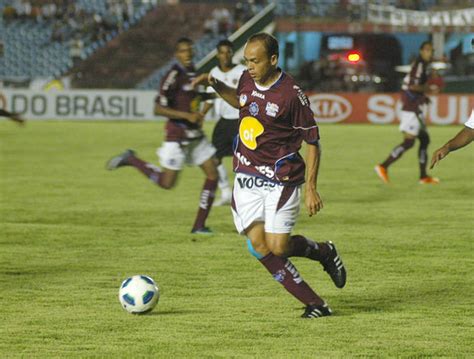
<point>173,155</point>
<point>258,200</point>
<point>410,123</point>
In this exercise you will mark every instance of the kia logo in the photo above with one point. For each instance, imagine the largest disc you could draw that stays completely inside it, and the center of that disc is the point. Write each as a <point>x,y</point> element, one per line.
<point>330,108</point>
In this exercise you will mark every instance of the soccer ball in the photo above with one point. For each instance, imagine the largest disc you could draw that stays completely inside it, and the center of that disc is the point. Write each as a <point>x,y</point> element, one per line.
<point>139,294</point>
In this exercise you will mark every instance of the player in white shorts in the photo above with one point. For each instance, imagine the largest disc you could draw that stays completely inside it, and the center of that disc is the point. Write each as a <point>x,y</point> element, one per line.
<point>257,199</point>
<point>275,118</point>
<point>174,155</point>
<point>415,89</point>
<point>463,138</point>
<point>185,142</point>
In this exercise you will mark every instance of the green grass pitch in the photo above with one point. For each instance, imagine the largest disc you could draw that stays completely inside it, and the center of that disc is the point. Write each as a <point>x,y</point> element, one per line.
<point>72,231</point>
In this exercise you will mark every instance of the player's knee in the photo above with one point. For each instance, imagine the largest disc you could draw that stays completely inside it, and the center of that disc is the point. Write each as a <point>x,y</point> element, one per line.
<point>258,250</point>
<point>279,249</point>
<point>408,143</point>
<point>166,184</point>
<point>213,176</point>
<point>424,140</point>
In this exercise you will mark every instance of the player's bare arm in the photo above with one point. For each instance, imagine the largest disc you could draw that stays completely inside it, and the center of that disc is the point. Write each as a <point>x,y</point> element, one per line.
<point>206,108</point>
<point>194,117</point>
<point>463,138</point>
<point>229,94</point>
<point>313,201</point>
<point>12,116</point>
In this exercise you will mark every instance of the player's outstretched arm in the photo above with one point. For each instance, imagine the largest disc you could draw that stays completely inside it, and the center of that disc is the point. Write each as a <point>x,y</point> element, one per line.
<point>229,94</point>
<point>313,201</point>
<point>12,116</point>
<point>463,138</point>
<point>194,117</point>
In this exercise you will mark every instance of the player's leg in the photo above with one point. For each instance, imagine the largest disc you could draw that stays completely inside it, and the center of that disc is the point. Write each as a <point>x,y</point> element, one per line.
<point>165,178</point>
<point>284,271</point>
<point>222,141</point>
<point>281,210</point>
<point>410,127</point>
<point>424,138</point>
<point>205,150</point>
<point>322,252</point>
<point>12,116</point>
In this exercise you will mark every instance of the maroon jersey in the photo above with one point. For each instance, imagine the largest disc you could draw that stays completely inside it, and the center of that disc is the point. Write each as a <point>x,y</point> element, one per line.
<point>418,75</point>
<point>176,93</point>
<point>272,125</point>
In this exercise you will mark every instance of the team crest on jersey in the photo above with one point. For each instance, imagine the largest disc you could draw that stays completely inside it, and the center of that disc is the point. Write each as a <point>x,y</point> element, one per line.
<point>250,128</point>
<point>253,108</point>
<point>271,109</point>
<point>242,100</point>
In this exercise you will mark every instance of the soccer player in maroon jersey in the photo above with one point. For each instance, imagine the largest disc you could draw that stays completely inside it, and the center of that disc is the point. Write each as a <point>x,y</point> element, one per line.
<point>12,116</point>
<point>185,141</point>
<point>415,87</point>
<point>275,117</point>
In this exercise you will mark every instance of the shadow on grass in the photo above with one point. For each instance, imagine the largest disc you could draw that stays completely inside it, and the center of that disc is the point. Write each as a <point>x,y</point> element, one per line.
<point>174,312</point>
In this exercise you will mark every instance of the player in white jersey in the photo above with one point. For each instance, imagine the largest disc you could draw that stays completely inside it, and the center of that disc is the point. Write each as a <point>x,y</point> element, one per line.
<point>463,138</point>
<point>226,128</point>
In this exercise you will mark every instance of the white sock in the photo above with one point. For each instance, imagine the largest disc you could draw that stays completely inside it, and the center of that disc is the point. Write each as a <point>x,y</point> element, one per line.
<point>223,182</point>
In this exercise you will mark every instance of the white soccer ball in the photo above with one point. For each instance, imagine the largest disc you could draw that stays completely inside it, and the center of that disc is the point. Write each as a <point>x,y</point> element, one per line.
<point>139,294</point>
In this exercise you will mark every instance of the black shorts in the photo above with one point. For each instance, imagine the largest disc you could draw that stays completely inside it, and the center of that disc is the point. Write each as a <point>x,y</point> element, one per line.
<point>223,137</point>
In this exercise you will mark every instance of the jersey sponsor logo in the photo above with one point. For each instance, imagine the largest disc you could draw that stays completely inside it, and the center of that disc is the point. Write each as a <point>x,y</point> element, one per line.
<point>253,108</point>
<point>330,108</point>
<point>242,159</point>
<point>250,128</point>
<point>251,182</point>
<point>242,100</point>
<point>271,109</point>
<point>266,171</point>
<point>258,94</point>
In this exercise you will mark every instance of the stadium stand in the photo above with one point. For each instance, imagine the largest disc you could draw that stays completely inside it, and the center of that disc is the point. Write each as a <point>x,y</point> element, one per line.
<point>110,67</point>
<point>42,38</point>
<point>95,41</point>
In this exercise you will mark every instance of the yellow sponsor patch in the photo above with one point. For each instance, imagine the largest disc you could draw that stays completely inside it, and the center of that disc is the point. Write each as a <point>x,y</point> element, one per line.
<point>250,128</point>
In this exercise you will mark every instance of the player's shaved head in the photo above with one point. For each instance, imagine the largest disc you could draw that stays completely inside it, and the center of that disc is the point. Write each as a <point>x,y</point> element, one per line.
<point>268,41</point>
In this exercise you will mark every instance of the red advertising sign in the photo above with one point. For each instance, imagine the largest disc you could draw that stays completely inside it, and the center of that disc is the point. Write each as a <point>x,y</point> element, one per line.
<point>381,108</point>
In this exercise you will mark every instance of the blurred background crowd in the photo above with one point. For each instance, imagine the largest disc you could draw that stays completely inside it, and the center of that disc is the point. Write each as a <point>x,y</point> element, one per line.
<point>328,45</point>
